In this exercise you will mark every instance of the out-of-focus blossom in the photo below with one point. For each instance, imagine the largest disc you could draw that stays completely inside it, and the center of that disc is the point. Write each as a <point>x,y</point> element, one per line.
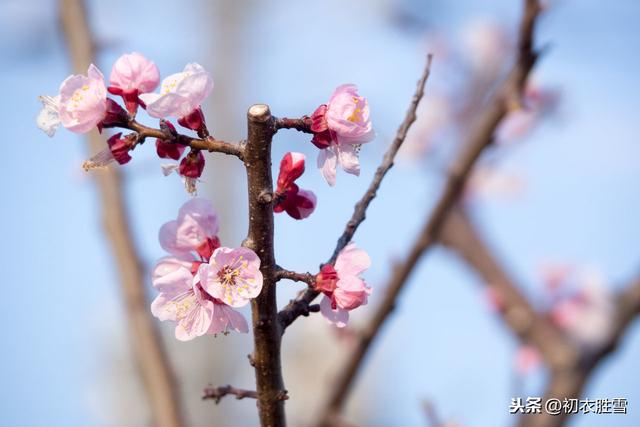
<point>538,102</point>
<point>298,203</point>
<point>587,316</point>
<point>232,276</point>
<point>183,300</point>
<point>527,359</point>
<point>486,44</point>
<point>494,183</point>
<point>340,128</point>
<point>434,116</point>
<point>554,275</point>
<point>180,93</point>
<point>80,107</point>
<point>342,286</point>
<point>494,298</point>
<point>131,75</point>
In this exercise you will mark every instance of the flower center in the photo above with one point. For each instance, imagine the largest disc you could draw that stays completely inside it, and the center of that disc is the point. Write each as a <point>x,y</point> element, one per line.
<point>356,116</point>
<point>227,276</point>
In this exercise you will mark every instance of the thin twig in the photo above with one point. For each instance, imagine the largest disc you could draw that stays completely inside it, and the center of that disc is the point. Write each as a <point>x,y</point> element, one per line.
<point>152,363</point>
<point>207,144</point>
<point>217,393</point>
<point>299,306</point>
<point>480,137</point>
<point>302,124</point>
<point>307,278</point>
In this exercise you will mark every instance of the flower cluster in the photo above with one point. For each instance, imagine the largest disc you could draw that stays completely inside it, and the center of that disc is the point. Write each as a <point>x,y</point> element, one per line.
<point>83,105</point>
<point>201,283</point>
<point>289,197</point>
<point>342,286</point>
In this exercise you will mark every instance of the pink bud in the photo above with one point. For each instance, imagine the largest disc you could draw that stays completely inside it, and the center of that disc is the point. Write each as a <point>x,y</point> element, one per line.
<point>291,168</point>
<point>131,75</point>
<point>192,165</point>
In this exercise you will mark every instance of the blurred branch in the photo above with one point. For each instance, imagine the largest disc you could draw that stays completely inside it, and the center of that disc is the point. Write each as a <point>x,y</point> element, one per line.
<point>150,356</point>
<point>480,137</point>
<point>217,393</point>
<point>460,235</point>
<point>300,305</point>
<point>570,366</point>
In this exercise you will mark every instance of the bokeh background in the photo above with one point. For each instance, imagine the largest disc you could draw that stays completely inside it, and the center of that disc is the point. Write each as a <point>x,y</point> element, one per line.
<point>66,359</point>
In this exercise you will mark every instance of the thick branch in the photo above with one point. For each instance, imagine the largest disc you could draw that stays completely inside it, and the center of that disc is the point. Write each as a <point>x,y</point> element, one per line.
<point>479,138</point>
<point>217,393</point>
<point>570,368</point>
<point>300,305</point>
<point>569,383</point>
<point>266,328</point>
<point>531,327</point>
<point>150,356</point>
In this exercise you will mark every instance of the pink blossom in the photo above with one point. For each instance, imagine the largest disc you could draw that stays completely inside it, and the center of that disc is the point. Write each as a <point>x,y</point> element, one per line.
<point>183,300</point>
<point>490,182</point>
<point>487,45</point>
<point>131,75</point>
<point>81,105</point>
<point>342,286</point>
<point>340,128</point>
<point>527,359</point>
<point>587,316</point>
<point>181,93</point>
<point>232,276</point>
<point>193,232</point>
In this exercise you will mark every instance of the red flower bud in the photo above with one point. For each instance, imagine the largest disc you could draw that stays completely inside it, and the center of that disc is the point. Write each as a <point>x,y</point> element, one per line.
<point>115,116</point>
<point>327,279</point>
<point>291,168</point>
<point>192,165</point>
<point>322,135</point>
<point>120,147</point>
<point>195,121</point>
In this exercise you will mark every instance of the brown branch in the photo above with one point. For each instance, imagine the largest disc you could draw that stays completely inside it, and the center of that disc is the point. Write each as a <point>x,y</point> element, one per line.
<point>481,136</point>
<point>150,356</point>
<point>570,366</point>
<point>217,393</point>
<point>267,332</point>
<point>302,124</point>
<point>207,144</point>
<point>459,234</point>
<point>300,305</point>
<point>307,278</point>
